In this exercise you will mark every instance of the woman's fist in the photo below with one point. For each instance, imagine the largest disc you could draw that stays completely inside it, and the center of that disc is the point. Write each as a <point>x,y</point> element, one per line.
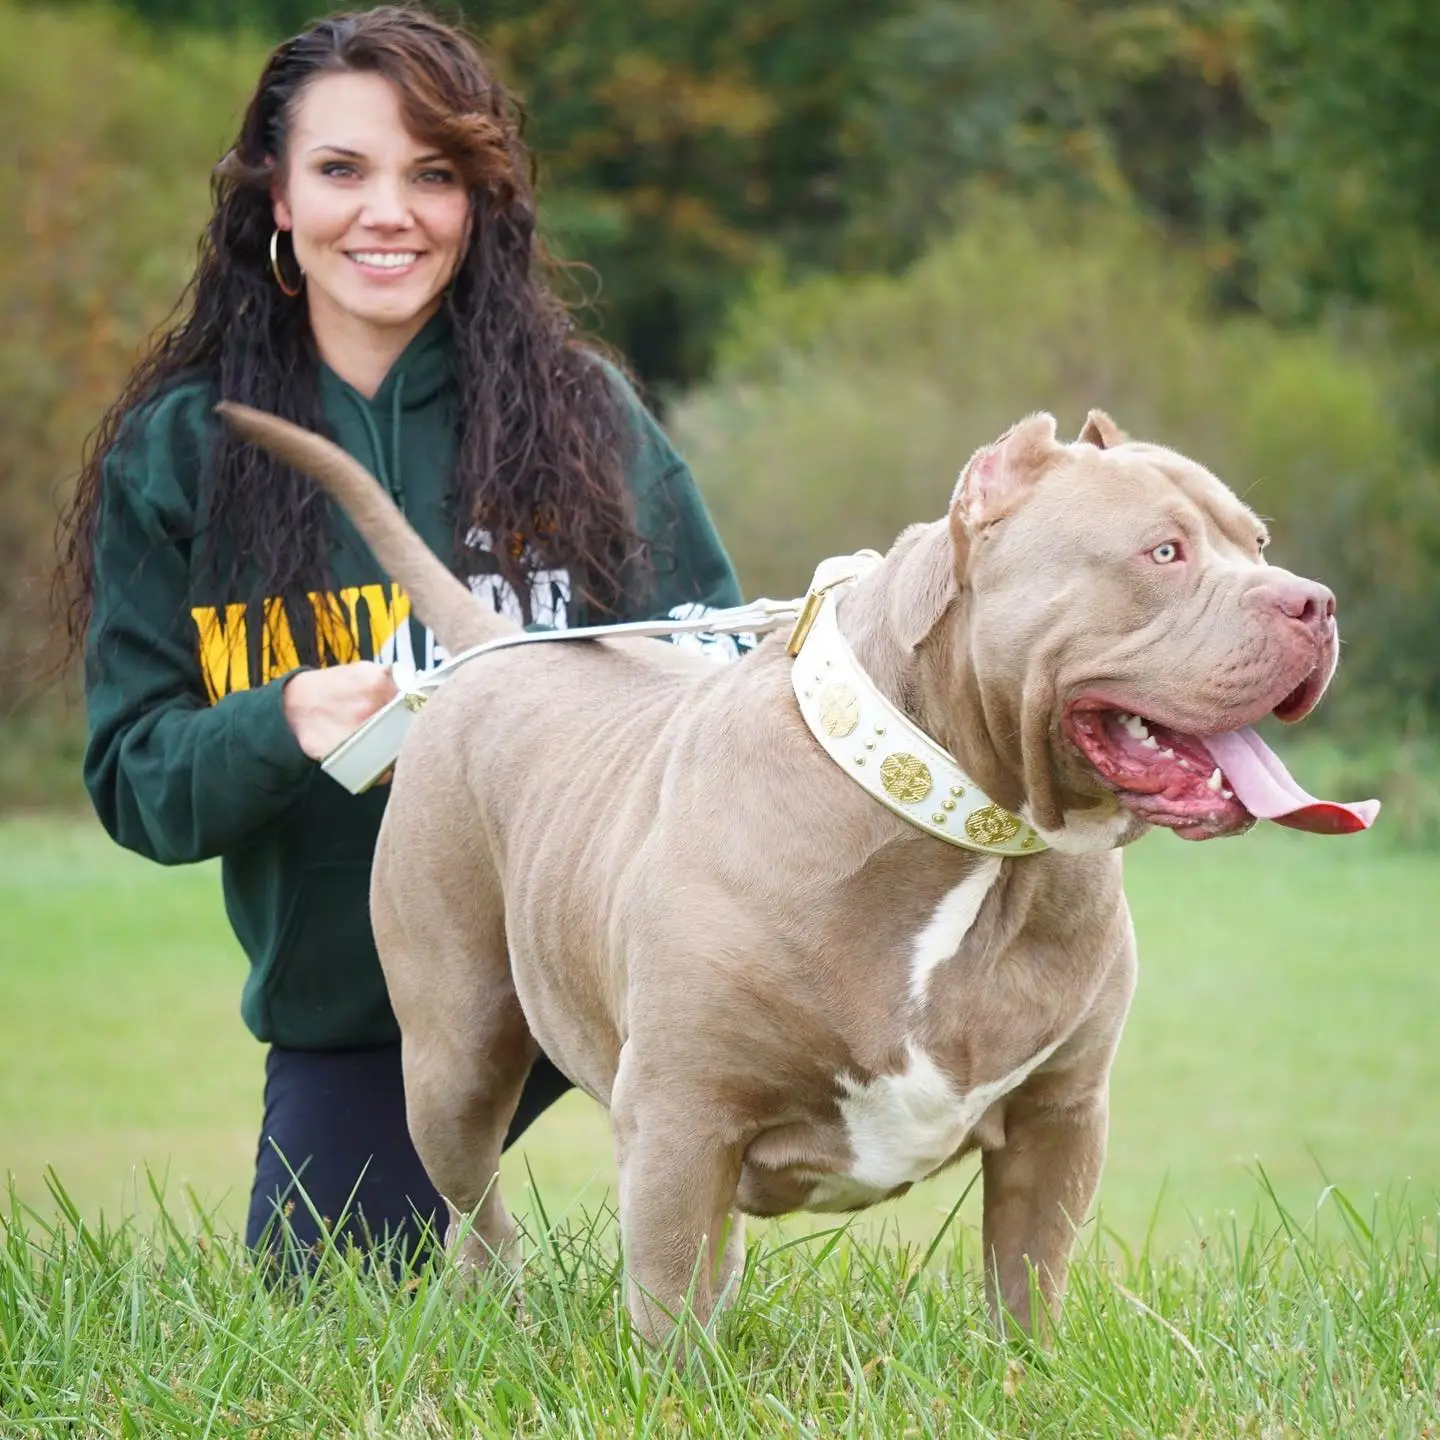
<point>324,707</point>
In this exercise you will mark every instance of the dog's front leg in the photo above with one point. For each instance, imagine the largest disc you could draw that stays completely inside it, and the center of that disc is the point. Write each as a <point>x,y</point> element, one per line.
<point>677,1178</point>
<point>1038,1189</point>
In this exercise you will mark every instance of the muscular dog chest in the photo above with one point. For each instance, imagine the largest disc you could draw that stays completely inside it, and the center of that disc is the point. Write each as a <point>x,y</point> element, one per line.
<point>887,1131</point>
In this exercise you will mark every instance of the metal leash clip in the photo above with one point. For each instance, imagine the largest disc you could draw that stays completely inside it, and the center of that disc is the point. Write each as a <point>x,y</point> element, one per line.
<point>837,570</point>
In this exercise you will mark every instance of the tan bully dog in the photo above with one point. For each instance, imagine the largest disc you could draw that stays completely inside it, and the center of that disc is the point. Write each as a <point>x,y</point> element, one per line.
<point>812,929</point>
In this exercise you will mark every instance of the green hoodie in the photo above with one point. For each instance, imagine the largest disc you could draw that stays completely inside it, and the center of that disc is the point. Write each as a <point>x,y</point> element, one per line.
<point>190,756</point>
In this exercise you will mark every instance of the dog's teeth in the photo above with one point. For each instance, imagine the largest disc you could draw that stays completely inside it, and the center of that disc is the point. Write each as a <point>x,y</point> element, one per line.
<point>1215,781</point>
<point>1135,726</point>
<point>1227,794</point>
<point>1150,743</point>
<point>1167,753</point>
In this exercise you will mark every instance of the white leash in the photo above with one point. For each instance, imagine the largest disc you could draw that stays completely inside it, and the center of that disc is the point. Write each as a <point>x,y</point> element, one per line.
<point>853,722</point>
<point>366,756</point>
<point>757,618</point>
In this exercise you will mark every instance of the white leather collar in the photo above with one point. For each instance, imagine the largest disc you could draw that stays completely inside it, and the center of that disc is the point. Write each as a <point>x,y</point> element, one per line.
<point>880,749</point>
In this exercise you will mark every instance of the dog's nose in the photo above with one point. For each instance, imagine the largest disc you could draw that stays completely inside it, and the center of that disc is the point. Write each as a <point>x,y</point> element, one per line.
<point>1305,601</point>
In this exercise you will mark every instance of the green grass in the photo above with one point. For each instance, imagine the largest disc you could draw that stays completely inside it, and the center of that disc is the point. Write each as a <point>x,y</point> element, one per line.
<point>1281,1040</point>
<point>1285,1015</point>
<point>1269,1331</point>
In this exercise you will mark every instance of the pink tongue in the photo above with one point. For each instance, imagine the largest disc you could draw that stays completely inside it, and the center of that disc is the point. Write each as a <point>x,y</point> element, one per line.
<point>1267,790</point>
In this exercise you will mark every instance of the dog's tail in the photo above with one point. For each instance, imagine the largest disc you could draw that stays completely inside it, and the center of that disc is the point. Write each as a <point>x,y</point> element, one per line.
<point>442,602</point>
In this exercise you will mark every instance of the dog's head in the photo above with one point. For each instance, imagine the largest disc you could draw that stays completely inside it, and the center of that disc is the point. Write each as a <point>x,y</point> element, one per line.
<point>1120,630</point>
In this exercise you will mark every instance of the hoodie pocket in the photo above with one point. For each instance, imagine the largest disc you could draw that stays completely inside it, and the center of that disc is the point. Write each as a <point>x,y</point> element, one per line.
<point>325,988</point>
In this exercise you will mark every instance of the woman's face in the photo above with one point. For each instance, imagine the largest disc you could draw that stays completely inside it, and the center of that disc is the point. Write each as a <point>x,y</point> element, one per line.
<point>378,219</point>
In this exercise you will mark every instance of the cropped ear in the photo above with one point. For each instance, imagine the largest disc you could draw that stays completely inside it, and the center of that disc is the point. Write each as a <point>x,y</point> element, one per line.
<point>997,477</point>
<point>1101,431</point>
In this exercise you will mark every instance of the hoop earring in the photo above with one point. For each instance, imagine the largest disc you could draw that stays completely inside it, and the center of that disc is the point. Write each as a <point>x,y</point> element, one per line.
<point>275,266</point>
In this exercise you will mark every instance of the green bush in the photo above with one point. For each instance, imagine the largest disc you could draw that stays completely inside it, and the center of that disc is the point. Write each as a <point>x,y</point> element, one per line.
<point>112,137</point>
<point>842,411</point>
<point>109,139</point>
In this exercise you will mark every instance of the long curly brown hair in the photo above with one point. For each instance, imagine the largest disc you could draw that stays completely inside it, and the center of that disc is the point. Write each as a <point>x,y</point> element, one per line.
<point>540,458</point>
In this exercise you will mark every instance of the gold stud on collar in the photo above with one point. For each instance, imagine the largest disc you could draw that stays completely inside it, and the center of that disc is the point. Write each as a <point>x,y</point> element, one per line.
<point>845,710</point>
<point>906,777</point>
<point>839,710</point>
<point>992,826</point>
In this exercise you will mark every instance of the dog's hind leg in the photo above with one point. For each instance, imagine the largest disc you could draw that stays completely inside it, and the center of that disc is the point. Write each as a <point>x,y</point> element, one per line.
<point>465,1044</point>
<point>460,1103</point>
<point>682,1240</point>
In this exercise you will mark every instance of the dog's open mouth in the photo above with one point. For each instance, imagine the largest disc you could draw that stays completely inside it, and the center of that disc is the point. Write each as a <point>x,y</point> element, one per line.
<point>1203,787</point>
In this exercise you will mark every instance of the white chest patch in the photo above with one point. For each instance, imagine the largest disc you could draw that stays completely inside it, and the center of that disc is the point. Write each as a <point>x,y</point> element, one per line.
<point>950,924</point>
<point>902,1127</point>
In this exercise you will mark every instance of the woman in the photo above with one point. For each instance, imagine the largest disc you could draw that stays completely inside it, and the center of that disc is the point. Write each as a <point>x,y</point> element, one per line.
<point>371,270</point>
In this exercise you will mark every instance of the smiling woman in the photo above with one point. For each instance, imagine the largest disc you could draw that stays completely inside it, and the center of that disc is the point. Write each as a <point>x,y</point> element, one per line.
<point>377,220</point>
<point>371,271</point>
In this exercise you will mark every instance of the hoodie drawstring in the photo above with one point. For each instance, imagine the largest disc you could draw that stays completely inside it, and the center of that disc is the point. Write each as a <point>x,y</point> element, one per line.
<point>395,441</point>
<point>389,475</point>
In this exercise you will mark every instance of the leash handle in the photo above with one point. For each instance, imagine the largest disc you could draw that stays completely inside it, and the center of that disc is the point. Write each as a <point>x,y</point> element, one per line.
<point>366,756</point>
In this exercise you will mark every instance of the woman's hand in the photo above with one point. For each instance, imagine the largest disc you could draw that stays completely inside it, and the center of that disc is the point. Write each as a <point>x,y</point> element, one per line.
<point>324,707</point>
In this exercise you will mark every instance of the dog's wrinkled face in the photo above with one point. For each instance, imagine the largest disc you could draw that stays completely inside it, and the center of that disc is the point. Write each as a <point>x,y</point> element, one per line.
<point>1127,629</point>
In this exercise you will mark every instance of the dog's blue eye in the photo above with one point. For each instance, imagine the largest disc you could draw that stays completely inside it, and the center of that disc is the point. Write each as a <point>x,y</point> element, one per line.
<point>1165,554</point>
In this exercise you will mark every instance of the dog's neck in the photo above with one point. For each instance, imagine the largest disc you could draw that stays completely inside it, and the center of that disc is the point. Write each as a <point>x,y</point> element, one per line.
<point>928,673</point>
<point>879,741</point>
<point>932,682</point>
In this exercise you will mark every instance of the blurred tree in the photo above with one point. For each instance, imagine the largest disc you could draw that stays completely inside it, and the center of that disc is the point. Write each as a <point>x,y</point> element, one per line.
<point>686,143</point>
<point>1117,100</point>
<point>102,195</point>
<point>681,142</point>
<point>1352,111</point>
<point>1344,188</point>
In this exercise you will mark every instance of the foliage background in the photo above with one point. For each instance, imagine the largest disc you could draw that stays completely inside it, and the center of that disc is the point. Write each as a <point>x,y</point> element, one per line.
<point>844,246</point>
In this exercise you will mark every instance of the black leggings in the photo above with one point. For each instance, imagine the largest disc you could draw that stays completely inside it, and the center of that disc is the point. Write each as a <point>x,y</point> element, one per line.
<point>335,1123</point>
